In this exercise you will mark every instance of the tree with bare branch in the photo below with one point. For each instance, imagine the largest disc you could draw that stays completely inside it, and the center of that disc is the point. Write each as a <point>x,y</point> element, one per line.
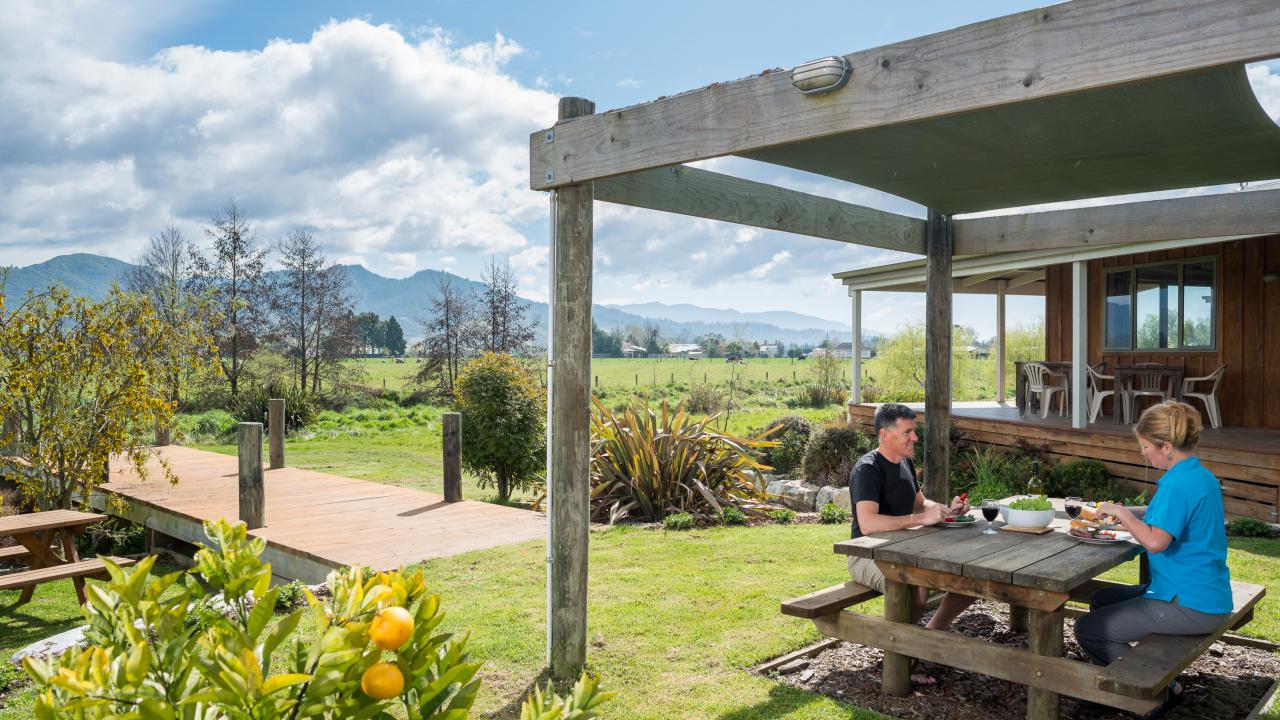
<point>450,337</point>
<point>506,331</point>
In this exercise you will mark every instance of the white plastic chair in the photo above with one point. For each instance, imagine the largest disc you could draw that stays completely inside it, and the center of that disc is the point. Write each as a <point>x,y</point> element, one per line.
<point>1146,385</point>
<point>1097,395</point>
<point>1210,399</point>
<point>1039,382</point>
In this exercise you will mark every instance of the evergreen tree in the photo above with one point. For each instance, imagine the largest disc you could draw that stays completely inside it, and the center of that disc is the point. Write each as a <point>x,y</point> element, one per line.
<point>393,336</point>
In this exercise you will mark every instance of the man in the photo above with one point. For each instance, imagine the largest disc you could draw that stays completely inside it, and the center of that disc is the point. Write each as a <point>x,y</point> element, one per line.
<point>886,497</point>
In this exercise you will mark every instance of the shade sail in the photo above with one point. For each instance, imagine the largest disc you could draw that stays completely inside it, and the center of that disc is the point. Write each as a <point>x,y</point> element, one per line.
<point>1190,130</point>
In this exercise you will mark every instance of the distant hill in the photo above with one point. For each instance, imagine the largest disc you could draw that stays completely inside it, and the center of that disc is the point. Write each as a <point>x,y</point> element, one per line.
<point>408,299</point>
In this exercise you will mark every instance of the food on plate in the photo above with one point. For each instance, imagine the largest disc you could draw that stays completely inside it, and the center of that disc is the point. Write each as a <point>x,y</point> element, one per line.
<point>1031,503</point>
<point>960,519</point>
<point>1092,533</point>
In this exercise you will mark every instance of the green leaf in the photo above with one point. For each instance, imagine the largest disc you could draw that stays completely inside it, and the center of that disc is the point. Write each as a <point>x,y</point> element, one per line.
<point>277,683</point>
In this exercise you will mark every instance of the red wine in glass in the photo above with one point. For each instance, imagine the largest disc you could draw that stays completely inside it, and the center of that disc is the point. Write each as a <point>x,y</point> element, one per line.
<point>1073,507</point>
<point>990,513</point>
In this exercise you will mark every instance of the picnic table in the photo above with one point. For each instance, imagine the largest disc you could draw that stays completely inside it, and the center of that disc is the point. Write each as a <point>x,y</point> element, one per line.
<point>36,534</point>
<point>1036,575</point>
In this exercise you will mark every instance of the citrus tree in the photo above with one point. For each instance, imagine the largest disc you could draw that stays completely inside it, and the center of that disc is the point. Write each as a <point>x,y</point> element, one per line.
<point>503,423</point>
<point>374,646</point>
<point>82,380</point>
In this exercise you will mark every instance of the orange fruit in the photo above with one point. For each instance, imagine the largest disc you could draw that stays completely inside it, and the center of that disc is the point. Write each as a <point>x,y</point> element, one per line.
<point>382,681</point>
<point>391,628</point>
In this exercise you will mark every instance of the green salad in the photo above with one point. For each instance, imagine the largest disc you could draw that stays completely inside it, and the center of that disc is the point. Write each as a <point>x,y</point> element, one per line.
<point>1031,503</point>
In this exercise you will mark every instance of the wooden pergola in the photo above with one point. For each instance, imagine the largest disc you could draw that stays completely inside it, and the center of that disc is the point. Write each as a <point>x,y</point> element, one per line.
<point>1090,98</point>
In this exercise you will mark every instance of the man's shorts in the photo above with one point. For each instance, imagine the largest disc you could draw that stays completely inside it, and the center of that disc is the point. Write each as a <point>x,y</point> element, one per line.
<point>865,573</point>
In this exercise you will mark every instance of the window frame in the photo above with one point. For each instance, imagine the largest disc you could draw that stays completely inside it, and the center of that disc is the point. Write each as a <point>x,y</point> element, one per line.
<point>1132,271</point>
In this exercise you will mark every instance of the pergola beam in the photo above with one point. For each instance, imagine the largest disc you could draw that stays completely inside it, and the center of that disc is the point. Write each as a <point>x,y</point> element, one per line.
<point>712,195</point>
<point>1032,55</point>
<point>1025,278</point>
<point>1255,212</point>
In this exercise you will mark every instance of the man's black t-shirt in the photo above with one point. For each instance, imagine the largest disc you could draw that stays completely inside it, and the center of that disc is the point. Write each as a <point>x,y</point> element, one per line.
<point>891,484</point>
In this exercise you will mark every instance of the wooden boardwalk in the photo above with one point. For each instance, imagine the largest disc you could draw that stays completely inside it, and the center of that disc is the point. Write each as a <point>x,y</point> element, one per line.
<point>314,521</point>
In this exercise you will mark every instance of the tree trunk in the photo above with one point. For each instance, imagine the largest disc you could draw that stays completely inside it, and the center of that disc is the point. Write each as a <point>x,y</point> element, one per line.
<point>504,487</point>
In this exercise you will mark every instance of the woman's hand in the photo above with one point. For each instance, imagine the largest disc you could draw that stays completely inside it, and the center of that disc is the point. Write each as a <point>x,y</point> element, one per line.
<point>1115,510</point>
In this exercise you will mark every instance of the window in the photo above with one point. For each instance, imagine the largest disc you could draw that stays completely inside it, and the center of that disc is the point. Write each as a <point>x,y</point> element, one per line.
<point>1164,306</point>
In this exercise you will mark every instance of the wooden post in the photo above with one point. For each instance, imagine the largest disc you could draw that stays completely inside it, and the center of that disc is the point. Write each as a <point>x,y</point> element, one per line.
<point>1044,638</point>
<point>275,430</point>
<point>1017,618</point>
<point>855,362</point>
<point>1001,287</point>
<point>896,679</point>
<point>940,242</point>
<point>252,492</point>
<point>452,442</point>
<point>570,432</point>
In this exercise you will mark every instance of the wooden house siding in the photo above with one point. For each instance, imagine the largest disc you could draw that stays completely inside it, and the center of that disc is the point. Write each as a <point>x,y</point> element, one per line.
<point>1247,330</point>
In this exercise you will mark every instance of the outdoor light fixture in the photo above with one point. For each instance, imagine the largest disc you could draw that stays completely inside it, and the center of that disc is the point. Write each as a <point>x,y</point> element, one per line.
<point>821,76</point>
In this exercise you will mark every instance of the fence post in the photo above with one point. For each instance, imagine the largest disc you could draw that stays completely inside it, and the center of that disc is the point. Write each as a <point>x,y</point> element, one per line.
<point>252,492</point>
<point>452,441</point>
<point>275,430</point>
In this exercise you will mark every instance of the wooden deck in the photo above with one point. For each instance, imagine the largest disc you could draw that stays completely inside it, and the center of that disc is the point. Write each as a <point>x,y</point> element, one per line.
<point>317,522</point>
<point>1245,460</point>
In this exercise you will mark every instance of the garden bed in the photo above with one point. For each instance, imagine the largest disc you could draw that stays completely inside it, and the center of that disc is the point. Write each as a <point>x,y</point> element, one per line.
<point>1225,684</point>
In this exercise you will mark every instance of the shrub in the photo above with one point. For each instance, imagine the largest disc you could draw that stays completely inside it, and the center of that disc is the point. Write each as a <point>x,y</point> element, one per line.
<point>981,471</point>
<point>782,516</point>
<point>791,433</point>
<point>678,521</point>
<point>503,423</point>
<point>704,399</point>
<point>290,596</point>
<point>113,536</point>
<point>833,514</point>
<point>145,657</point>
<point>814,395</point>
<point>1086,478</point>
<point>300,409</point>
<point>646,464</point>
<point>1249,527</point>
<point>733,516</point>
<point>831,453</point>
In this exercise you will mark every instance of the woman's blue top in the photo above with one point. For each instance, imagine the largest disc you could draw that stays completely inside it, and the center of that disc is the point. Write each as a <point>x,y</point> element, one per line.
<point>1188,506</point>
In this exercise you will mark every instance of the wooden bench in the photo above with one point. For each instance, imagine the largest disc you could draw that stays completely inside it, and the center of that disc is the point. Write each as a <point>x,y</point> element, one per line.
<point>13,553</point>
<point>1147,670</point>
<point>80,569</point>
<point>825,602</point>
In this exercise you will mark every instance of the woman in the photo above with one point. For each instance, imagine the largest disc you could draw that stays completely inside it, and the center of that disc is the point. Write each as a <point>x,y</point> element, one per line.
<point>1184,535</point>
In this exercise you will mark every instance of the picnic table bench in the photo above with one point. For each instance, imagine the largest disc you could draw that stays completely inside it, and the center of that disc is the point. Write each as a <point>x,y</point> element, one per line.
<point>1036,575</point>
<point>36,534</point>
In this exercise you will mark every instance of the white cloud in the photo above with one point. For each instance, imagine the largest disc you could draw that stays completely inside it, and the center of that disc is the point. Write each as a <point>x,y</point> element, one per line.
<point>628,83</point>
<point>388,148</point>
<point>1264,78</point>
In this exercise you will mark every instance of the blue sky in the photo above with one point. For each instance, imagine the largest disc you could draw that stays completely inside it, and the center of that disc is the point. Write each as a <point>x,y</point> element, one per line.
<point>396,132</point>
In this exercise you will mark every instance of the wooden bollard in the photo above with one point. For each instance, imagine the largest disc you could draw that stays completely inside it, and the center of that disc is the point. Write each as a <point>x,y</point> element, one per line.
<point>163,437</point>
<point>275,432</point>
<point>452,442</point>
<point>252,492</point>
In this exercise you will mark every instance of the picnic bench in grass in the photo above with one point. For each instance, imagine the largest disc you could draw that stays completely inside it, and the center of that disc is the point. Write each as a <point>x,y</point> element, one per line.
<point>37,534</point>
<point>1036,575</point>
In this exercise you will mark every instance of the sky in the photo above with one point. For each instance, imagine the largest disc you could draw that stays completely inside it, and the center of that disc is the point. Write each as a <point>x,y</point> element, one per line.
<point>396,133</point>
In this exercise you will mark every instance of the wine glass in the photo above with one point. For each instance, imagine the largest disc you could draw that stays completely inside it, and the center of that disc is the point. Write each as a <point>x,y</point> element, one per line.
<point>1073,505</point>
<point>990,510</point>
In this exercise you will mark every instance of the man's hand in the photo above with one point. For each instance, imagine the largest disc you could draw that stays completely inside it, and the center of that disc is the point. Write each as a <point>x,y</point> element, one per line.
<point>960,504</point>
<point>933,514</point>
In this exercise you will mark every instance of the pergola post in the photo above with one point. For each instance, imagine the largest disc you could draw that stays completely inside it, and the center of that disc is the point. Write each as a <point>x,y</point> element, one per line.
<point>1079,343</point>
<point>569,434</point>
<point>939,244</point>
<point>855,362</point>
<point>1001,286</point>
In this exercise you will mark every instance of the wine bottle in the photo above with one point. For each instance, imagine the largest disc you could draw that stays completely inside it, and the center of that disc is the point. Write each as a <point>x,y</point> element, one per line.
<point>1035,487</point>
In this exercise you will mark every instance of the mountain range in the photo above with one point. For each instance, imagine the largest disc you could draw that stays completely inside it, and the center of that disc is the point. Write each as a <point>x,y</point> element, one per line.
<point>408,299</point>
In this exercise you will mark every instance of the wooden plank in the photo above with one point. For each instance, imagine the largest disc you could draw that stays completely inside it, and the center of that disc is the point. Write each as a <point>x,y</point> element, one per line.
<point>275,425</point>
<point>47,520</point>
<point>896,679</point>
<point>828,600</point>
<point>1031,55</point>
<point>1066,677</point>
<point>956,555</point>
<point>252,505</point>
<point>804,652</point>
<point>1202,216</point>
<point>1044,637</point>
<point>1252,331</point>
<point>1001,566</point>
<point>1148,669</point>
<point>84,568</point>
<point>1271,322</point>
<point>451,443</point>
<point>937,352</point>
<point>13,553</point>
<point>1231,343</point>
<point>706,194</point>
<point>1066,570</point>
<point>989,589</point>
<point>866,545</point>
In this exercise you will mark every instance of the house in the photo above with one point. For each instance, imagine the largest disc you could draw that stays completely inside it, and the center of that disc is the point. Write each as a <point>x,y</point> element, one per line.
<point>768,350</point>
<point>684,350</point>
<point>629,350</point>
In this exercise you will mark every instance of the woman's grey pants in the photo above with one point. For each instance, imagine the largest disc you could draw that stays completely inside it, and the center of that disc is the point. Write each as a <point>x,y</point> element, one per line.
<point>1120,615</point>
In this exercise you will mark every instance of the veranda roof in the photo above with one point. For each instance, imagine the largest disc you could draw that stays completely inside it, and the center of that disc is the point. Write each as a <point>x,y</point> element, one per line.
<point>1190,130</point>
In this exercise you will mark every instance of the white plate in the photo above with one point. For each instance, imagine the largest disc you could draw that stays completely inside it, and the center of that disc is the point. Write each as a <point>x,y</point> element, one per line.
<point>1120,537</point>
<point>952,525</point>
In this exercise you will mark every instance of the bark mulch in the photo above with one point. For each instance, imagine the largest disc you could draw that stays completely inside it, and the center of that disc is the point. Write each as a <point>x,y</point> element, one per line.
<point>1226,683</point>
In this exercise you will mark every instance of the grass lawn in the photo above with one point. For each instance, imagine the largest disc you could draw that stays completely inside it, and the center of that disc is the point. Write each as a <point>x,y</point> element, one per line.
<point>675,619</point>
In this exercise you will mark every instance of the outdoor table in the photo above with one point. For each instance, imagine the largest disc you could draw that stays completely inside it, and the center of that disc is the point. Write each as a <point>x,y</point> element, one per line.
<point>1020,380</point>
<point>1125,375</point>
<point>1035,574</point>
<point>36,532</point>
